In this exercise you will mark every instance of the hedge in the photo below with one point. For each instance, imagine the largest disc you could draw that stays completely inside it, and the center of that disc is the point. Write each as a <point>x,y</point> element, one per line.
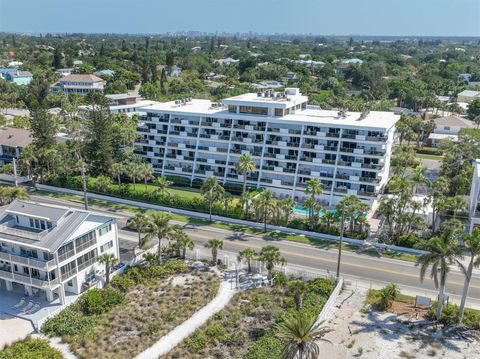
<point>30,349</point>
<point>429,151</point>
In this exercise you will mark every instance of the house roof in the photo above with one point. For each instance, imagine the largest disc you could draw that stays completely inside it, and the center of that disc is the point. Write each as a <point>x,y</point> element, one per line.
<point>469,93</point>
<point>7,70</point>
<point>20,74</point>
<point>15,137</point>
<point>453,121</point>
<point>81,78</point>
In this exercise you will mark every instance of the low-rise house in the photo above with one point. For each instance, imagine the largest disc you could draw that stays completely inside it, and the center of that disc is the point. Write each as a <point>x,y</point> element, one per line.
<point>105,73</point>
<point>174,71</point>
<point>128,103</point>
<point>468,96</point>
<point>226,62</point>
<point>80,84</point>
<point>12,142</point>
<point>474,202</point>
<point>447,128</point>
<point>5,71</point>
<point>48,251</point>
<point>18,77</point>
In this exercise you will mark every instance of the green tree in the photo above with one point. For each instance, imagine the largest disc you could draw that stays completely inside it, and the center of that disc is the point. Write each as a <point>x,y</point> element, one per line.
<point>140,223</point>
<point>298,288</point>
<point>108,259</point>
<point>471,244</point>
<point>473,109</point>
<point>443,252</point>
<point>244,166</point>
<point>313,189</point>
<point>300,333</point>
<point>160,227</point>
<point>117,171</point>
<point>145,172</point>
<point>184,242</point>
<point>162,186</point>
<point>270,256</point>
<point>211,191</point>
<point>265,202</point>
<point>247,255</point>
<point>214,245</point>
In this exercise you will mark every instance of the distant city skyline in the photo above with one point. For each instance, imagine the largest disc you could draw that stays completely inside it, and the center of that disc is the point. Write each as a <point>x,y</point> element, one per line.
<point>342,17</point>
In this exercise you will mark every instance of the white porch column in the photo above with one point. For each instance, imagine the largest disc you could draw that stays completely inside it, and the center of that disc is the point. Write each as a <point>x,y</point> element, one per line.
<point>49,295</point>
<point>9,285</point>
<point>61,294</point>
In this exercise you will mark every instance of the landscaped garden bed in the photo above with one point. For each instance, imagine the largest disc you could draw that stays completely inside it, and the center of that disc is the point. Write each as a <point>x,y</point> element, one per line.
<point>246,327</point>
<point>30,349</point>
<point>144,304</point>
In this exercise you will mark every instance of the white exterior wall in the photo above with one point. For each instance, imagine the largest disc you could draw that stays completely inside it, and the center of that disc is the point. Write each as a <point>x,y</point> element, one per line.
<point>474,201</point>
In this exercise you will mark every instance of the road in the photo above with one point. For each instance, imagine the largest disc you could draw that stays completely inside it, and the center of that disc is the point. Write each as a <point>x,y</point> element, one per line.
<point>358,269</point>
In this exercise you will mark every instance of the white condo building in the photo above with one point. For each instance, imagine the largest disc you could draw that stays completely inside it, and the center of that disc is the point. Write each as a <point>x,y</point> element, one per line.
<point>474,202</point>
<point>290,142</point>
<point>49,250</point>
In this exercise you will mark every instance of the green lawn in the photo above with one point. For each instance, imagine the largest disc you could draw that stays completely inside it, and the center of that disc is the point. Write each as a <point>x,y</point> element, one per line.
<point>429,157</point>
<point>299,238</point>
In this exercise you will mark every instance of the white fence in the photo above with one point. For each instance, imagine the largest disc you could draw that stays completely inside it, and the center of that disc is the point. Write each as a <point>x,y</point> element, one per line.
<point>330,304</point>
<point>205,216</point>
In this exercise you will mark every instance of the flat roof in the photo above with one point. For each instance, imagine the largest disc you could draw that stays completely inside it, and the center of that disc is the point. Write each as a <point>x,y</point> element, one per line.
<point>196,107</point>
<point>253,98</point>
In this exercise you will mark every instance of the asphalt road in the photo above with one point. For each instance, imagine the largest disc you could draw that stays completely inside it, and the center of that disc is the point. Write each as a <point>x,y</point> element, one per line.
<point>358,269</point>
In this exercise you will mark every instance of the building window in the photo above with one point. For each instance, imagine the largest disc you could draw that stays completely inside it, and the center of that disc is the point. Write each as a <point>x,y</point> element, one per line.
<point>232,109</point>
<point>106,246</point>
<point>31,222</point>
<point>263,111</point>
<point>105,229</point>
<point>446,128</point>
<point>279,112</point>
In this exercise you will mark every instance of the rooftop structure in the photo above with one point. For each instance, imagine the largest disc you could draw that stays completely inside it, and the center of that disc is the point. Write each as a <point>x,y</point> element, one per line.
<point>468,96</point>
<point>289,140</point>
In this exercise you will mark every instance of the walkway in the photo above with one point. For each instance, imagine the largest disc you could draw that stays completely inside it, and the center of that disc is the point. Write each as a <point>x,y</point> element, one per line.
<point>176,336</point>
<point>59,345</point>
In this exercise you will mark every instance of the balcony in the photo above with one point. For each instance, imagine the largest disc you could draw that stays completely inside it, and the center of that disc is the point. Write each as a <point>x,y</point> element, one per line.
<point>28,261</point>
<point>366,194</point>
<point>376,138</point>
<point>11,228</point>
<point>41,282</point>
<point>333,134</point>
<point>66,256</point>
<point>85,245</point>
<point>87,263</point>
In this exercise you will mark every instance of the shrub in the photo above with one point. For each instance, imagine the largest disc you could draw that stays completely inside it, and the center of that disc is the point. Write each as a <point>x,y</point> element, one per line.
<point>429,151</point>
<point>197,342</point>
<point>30,348</point>
<point>123,282</point>
<point>68,322</point>
<point>322,287</point>
<point>98,301</point>
<point>387,296</point>
<point>265,348</point>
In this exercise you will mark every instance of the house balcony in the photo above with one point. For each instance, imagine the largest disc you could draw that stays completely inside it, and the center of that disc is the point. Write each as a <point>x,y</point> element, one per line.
<point>27,261</point>
<point>39,282</point>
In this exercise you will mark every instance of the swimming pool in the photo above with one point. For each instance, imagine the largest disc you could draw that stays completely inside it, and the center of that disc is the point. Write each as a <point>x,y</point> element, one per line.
<point>299,209</point>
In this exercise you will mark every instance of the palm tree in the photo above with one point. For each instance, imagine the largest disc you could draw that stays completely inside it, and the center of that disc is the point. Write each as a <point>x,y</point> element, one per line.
<point>246,199</point>
<point>140,223</point>
<point>162,186</point>
<point>244,166</point>
<point>108,259</point>
<point>133,172</point>
<point>270,256</point>
<point>159,227</point>
<point>214,245</point>
<point>418,178</point>
<point>26,160</point>
<point>212,191</point>
<point>247,255</point>
<point>313,189</point>
<point>117,170</point>
<point>471,243</point>
<point>184,242</point>
<point>300,333</point>
<point>145,172</point>
<point>443,252</point>
<point>266,202</point>
<point>298,288</point>
<point>328,217</point>
<point>9,194</point>
<point>227,198</point>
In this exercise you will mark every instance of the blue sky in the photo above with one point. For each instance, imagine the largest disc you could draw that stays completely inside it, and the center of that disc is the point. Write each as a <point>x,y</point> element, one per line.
<point>339,17</point>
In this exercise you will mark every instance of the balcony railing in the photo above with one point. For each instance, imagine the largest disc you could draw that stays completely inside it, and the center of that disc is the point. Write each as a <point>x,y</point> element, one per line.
<point>25,279</point>
<point>66,255</point>
<point>85,245</point>
<point>29,261</point>
<point>87,263</point>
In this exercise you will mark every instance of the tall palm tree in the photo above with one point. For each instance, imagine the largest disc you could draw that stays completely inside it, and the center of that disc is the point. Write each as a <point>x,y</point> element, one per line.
<point>471,243</point>
<point>246,199</point>
<point>247,255</point>
<point>27,159</point>
<point>270,256</point>
<point>140,223</point>
<point>328,217</point>
<point>212,191</point>
<point>159,227</point>
<point>214,245</point>
<point>244,166</point>
<point>9,194</point>
<point>184,242</point>
<point>266,202</point>
<point>443,252</point>
<point>162,186</point>
<point>313,189</point>
<point>108,259</point>
<point>117,170</point>
<point>298,288</point>
<point>300,333</point>
<point>145,172</point>
<point>418,178</point>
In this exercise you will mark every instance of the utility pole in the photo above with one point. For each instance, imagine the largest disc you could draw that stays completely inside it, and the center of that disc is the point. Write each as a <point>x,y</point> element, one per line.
<point>15,178</point>
<point>84,182</point>
<point>341,243</point>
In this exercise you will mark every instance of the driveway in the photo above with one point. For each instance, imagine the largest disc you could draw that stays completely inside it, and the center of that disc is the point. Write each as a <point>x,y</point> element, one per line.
<point>13,329</point>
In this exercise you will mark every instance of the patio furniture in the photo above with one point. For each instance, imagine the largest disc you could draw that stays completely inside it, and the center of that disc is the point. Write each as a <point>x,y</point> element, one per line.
<point>28,307</point>
<point>20,303</point>
<point>34,309</point>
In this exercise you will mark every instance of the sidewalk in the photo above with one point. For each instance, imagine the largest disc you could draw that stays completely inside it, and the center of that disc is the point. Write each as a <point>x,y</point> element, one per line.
<point>176,336</point>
